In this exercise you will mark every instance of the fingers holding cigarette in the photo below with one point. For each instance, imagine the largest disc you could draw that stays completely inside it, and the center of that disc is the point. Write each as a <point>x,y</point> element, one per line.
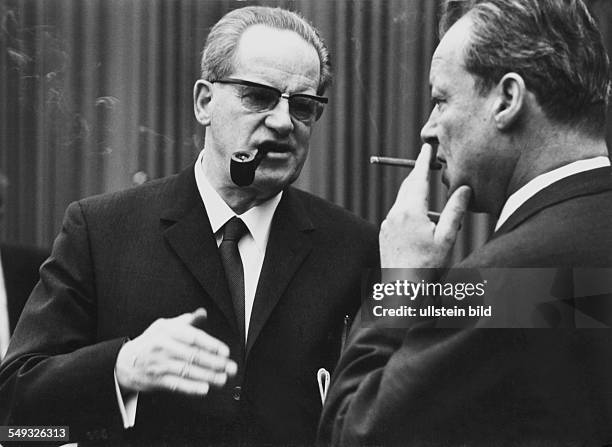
<point>413,194</point>
<point>408,238</point>
<point>407,163</point>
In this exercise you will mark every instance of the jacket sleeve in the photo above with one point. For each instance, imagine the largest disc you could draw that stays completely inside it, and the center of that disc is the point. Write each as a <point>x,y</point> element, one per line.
<point>397,386</point>
<point>359,371</point>
<point>57,371</point>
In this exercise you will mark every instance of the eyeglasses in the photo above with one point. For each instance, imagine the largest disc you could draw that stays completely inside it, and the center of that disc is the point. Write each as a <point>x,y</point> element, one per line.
<point>262,98</point>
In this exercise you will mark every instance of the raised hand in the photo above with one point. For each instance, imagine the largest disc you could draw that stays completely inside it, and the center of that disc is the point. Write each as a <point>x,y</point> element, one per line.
<point>173,355</point>
<point>408,238</point>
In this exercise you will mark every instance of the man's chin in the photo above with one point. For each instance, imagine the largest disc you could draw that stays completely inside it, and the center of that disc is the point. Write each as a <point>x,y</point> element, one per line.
<point>273,181</point>
<point>473,206</point>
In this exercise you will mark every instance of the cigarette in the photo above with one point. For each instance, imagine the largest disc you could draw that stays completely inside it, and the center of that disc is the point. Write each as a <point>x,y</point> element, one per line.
<point>403,162</point>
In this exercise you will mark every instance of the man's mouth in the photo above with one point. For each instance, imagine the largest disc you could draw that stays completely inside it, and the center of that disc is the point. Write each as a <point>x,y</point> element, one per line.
<point>274,147</point>
<point>444,176</point>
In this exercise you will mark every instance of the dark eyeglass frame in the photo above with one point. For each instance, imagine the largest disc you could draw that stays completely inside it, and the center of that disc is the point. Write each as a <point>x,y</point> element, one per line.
<point>321,100</point>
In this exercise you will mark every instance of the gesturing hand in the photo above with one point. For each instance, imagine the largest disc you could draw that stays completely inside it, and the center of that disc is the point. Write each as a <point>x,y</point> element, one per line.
<point>173,355</point>
<point>408,239</point>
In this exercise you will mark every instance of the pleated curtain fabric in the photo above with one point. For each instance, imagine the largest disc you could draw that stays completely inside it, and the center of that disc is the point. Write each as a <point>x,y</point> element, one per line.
<point>96,95</point>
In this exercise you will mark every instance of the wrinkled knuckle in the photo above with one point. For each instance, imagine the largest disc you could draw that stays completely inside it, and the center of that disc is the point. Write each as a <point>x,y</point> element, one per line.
<point>158,326</point>
<point>218,364</point>
<point>156,347</point>
<point>163,346</point>
<point>205,359</point>
<point>448,239</point>
<point>205,362</point>
<point>155,371</point>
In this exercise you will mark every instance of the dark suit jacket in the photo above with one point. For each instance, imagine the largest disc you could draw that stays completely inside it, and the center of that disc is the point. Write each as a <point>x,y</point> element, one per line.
<point>20,266</point>
<point>425,386</point>
<point>123,260</point>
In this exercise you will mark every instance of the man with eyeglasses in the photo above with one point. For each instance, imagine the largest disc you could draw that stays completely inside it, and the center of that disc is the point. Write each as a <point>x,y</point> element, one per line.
<point>191,310</point>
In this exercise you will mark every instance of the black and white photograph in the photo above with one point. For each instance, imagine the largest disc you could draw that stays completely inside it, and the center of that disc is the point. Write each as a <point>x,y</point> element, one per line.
<point>305,223</point>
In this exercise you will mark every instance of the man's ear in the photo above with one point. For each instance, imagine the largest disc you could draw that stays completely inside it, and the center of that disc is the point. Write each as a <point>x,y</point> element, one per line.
<point>511,101</point>
<point>202,95</point>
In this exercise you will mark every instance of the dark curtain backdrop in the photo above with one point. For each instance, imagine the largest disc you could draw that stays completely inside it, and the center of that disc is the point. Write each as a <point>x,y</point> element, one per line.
<point>94,91</point>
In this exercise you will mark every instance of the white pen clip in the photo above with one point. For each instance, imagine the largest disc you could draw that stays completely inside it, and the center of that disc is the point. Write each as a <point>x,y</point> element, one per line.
<point>323,381</point>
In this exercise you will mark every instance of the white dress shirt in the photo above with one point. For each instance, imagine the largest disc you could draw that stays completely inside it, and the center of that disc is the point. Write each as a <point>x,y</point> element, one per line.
<point>542,181</point>
<point>252,248</point>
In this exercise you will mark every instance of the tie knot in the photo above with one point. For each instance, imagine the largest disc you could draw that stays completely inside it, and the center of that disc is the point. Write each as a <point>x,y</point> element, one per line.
<point>234,229</point>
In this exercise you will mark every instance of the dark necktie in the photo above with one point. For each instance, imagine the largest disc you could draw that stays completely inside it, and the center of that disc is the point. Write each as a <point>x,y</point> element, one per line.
<point>233,230</point>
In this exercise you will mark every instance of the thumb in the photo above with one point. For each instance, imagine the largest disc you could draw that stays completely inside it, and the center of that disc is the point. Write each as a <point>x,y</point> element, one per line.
<point>451,217</point>
<point>197,317</point>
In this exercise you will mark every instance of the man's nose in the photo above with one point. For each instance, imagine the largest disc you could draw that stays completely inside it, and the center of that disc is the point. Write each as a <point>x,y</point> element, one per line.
<point>428,134</point>
<point>279,118</point>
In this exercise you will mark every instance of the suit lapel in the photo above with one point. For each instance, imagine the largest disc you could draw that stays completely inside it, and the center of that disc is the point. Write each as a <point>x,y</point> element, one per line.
<point>188,231</point>
<point>583,183</point>
<point>288,245</point>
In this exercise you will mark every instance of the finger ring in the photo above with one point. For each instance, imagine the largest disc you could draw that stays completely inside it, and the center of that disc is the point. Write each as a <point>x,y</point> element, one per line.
<point>193,356</point>
<point>184,370</point>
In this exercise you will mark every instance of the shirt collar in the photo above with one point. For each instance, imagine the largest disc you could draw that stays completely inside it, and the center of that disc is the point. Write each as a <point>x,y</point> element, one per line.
<point>542,181</point>
<point>258,219</point>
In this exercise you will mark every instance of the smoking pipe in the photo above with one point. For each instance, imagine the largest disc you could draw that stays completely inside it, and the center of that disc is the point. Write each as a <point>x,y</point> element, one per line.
<point>243,165</point>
